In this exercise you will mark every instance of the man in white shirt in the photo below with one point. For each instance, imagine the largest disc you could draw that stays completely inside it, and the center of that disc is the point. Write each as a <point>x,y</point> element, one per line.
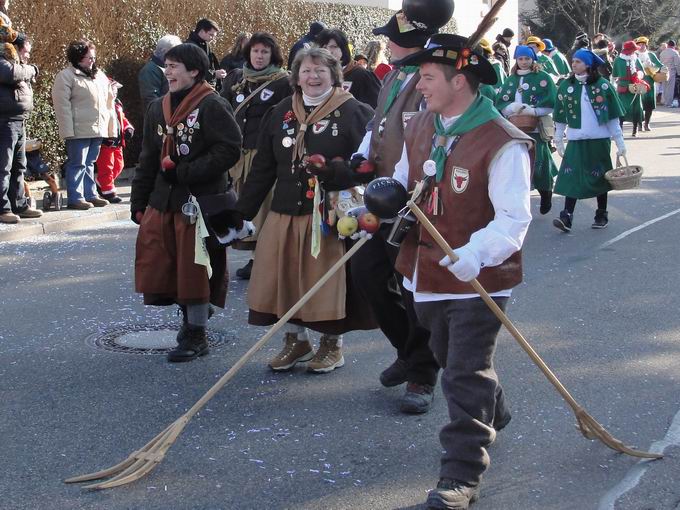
<point>478,198</point>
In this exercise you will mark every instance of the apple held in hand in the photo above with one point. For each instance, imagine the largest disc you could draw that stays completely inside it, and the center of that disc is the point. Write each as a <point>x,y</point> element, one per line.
<point>369,222</point>
<point>167,163</point>
<point>366,167</point>
<point>316,161</point>
<point>347,225</point>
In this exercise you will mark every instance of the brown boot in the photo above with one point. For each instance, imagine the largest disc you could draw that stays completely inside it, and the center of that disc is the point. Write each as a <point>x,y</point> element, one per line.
<point>9,217</point>
<point>294,351</point>
<point>328,357</point>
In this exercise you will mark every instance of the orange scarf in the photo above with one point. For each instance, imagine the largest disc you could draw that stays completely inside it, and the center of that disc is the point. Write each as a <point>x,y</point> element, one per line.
<point>188,104</point>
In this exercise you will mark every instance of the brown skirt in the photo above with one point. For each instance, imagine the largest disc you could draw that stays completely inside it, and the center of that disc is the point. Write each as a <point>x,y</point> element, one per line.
<point>239,172</point>
<point>165,271</point>
<point>284,270</point>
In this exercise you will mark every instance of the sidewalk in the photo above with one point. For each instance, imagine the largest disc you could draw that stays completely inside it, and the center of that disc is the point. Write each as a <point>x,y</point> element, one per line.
<point>67,219</point>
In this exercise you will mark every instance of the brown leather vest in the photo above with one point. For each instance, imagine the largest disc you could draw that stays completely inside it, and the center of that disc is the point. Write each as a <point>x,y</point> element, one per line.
<point>464,194</point>
<point>387,138</point>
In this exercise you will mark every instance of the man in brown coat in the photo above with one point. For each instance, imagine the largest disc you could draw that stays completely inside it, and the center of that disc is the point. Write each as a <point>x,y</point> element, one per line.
<point>482,182</point>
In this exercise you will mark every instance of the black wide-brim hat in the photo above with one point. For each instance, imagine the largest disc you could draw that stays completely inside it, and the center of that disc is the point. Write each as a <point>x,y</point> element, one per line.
<point>452,50</point>
<point>401,32</point>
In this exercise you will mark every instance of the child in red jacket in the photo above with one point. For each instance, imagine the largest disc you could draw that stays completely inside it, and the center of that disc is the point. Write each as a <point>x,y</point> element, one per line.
<point>110,160</point>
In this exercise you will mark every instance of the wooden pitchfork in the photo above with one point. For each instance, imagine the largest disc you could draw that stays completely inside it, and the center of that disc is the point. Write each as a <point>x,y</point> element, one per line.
<point>588,426</point>
<point>152,453</point>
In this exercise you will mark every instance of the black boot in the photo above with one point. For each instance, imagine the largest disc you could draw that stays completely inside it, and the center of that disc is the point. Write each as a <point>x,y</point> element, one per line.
<point>395,374</point>
<point>194,344</point>
<point>182,333</point>
<point>564,221</point>
<point>648,118</point>
<point>601,219</point>
<point>244,272</point>
<point>452,494</point>
<point>546,201</point>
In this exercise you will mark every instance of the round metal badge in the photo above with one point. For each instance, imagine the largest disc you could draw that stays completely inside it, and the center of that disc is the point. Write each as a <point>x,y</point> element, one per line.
<point>287,142</point>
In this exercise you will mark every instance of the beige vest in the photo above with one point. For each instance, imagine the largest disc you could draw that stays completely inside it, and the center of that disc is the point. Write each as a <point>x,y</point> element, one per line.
<point>387,138</point>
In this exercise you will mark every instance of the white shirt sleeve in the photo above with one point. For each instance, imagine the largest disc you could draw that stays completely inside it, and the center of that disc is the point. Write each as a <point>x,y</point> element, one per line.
<point>509,188</point>
<point>365,145</point>
<point>401,169</point>
<point>614,128</point>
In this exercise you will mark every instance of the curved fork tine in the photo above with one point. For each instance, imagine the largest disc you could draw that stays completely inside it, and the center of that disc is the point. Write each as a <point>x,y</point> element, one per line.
<point>599,432</point>
<point>131,459</point>
<point>115,482</point>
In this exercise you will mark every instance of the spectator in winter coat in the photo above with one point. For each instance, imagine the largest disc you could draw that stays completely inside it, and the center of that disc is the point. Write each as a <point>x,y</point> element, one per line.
<point>151,78</point>
<point>235,58</point>
<point>671,59</point>
<point>83,104</point>
<point>16,103</point>
<point>205,32</point>
<point>308,39</point>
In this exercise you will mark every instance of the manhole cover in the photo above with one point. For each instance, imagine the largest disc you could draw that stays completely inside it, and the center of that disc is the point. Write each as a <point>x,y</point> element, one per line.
<point>146,338</point>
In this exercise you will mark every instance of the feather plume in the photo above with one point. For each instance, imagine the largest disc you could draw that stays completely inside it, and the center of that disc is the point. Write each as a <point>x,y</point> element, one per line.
<point>486,24</point>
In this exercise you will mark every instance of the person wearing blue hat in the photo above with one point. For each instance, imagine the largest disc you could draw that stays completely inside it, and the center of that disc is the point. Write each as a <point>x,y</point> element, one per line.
<point>559,60</point>
<point>588,111</point>
<point>546,62</point>
<point>529,91</point>
<point>478,180</point>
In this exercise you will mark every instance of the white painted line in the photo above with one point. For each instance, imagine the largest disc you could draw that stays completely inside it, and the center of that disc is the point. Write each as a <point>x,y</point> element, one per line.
<point>639,227</point>
<point>632,478</point>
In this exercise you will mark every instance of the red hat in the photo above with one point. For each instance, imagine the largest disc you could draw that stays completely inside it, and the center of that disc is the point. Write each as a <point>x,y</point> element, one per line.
<point>629,47</point>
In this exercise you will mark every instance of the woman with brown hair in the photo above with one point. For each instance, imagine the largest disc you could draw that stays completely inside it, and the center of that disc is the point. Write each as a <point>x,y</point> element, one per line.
<point>252,91</point>
<point>293,253</point>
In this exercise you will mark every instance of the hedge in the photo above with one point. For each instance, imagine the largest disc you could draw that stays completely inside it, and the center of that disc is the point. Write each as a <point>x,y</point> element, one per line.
<point>125,32</point>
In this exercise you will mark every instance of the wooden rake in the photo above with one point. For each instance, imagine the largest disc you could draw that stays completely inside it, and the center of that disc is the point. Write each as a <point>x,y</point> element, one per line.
<point>588,426</point>
<point>152,453</point>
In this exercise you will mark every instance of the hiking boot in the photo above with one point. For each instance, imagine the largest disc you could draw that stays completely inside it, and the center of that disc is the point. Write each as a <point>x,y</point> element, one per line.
<point>564,221</point>
<point>194,344</point>
<point>80,205</point>
<point>601,219</point>
<point>417,399</point>
<point>328,357</point>
<point>98,202</point>
<point>30,213</point>
<point>452,495</point>
<point>9,217</point>
<point>244,272</point>
<point>395,374</point>
<point>294,351</point>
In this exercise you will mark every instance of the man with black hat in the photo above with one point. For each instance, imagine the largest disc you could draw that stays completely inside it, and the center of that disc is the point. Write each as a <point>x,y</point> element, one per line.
<point>506,40</point>
<point>478,198</point>
<point>372,268</point>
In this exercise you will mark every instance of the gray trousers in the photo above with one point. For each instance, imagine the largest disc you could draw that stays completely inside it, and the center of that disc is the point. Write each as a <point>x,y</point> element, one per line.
<point>463,340</point>
<point>669,89</point>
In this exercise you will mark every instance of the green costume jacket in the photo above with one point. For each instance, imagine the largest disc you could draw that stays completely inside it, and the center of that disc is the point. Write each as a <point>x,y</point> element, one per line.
<point>538,90</point>
<point>548,65</point>
<point>604,101</point>
<point>561,63</point>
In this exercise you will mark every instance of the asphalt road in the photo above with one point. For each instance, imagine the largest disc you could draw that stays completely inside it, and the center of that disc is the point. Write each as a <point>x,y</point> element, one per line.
<point>603,316</point>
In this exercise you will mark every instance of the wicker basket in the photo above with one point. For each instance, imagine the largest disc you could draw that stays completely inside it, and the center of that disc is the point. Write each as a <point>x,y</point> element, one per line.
<point>660,77</point>
<point>624,177</point>
<point>526,123</point>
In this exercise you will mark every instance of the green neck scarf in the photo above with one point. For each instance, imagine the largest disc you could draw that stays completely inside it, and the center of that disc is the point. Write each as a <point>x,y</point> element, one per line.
<point>396,86</point>
<point>480,112</point>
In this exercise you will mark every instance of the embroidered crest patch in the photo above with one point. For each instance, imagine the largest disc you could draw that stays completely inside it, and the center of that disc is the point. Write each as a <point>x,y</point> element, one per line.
<point>346,86</point>
<point>460,178</point>
<point>266,94</point>
<point>192,117</point>
<point>320,127</point>
<point>406,116</point>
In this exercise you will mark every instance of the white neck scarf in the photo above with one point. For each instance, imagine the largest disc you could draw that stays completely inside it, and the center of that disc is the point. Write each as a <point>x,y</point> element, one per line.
<point>316,101</point>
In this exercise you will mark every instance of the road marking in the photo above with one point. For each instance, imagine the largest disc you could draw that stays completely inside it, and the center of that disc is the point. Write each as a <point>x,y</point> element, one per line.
<point>634,475</point>
<point>639,227</point>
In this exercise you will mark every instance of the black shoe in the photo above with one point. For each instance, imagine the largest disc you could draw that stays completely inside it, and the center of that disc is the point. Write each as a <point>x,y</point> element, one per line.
<point>452,495</point>
<point>563,222</point>
<point>546,202</point>
<point>501,421</point>
<point>112,198</point>
<point>417,399</point>
<point>601,219</point>
<point>244,272</point>
<point>395,374</point>
<point>194,344</point>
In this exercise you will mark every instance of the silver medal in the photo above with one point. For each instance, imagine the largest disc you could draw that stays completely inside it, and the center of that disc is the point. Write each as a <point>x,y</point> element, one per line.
<point>240,98</point>
<point>430,168</point>
<point>287,142</point>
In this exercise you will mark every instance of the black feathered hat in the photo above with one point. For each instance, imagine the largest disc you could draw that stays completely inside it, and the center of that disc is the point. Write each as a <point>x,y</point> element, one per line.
<point>416,22</point>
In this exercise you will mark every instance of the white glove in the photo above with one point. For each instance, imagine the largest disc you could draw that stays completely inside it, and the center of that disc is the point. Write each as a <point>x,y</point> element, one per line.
<point>247,230</point>
<point>559,144</point>
<point>528,110</point>
<point>620,147</point>
<point>466,268</point>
